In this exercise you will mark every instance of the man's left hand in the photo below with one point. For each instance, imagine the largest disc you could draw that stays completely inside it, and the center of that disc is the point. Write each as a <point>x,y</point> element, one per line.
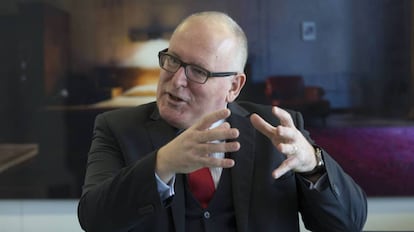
<point>300,155</point>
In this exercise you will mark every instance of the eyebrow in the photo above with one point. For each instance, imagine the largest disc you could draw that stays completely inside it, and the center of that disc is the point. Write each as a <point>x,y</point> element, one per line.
<point>192,63</point>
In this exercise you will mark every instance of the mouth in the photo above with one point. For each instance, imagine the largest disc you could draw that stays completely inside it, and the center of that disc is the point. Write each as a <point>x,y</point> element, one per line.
<point>175,98</point>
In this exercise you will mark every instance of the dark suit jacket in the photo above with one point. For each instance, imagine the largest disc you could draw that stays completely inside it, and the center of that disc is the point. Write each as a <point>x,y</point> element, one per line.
<point>120,190</point>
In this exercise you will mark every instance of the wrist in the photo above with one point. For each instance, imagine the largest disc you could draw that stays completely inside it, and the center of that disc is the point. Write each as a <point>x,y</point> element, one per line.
<point>319,169</point>
<point>161,169</point>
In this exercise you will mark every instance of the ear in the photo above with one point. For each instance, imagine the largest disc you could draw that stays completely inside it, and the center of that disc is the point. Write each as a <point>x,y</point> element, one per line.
<point>237,84</point>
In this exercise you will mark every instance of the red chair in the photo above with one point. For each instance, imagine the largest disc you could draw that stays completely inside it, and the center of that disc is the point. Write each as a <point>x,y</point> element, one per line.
<point>290,92</point>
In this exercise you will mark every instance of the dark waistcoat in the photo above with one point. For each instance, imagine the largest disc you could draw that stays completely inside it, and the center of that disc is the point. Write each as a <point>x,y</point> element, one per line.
<point>218,216</point>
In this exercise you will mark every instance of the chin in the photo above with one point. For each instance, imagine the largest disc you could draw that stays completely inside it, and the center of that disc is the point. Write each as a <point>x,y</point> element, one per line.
<point>178,123</point>
<point>174,117</point>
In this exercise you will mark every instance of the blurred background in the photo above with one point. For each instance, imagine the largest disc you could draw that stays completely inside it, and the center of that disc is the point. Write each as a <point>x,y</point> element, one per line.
<point>347,66</point>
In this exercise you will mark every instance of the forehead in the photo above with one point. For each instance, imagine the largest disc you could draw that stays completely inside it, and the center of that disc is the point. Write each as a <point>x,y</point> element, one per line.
<point>206,44</point>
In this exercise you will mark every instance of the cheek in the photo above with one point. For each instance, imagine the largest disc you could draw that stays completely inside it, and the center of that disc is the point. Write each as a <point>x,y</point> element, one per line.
<point>162,81</point>
<point>163,77</point>
<point>214,95</point>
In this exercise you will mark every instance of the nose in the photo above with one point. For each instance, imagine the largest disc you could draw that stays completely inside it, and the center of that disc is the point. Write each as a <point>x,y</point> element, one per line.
<point>179,79</point>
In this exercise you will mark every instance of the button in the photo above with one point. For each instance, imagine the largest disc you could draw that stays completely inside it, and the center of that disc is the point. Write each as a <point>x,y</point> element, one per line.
<point>207,215</point>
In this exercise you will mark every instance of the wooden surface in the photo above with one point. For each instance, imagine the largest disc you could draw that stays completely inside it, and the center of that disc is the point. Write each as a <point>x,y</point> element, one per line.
<point>14,154</point>
<point>109,104</point>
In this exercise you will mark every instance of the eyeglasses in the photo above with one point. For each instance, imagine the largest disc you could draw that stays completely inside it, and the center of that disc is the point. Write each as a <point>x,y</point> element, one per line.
<point>193,72</point>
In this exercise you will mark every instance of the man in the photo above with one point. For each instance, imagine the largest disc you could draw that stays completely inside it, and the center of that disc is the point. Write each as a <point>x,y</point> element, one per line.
<point>264,167</point>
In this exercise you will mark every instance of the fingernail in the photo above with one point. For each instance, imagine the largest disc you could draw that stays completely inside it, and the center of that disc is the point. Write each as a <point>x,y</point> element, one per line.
<point>231,163</point>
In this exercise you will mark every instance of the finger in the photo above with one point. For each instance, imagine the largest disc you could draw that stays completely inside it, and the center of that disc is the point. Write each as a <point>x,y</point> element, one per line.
<point>219,134</point>
<point>212,162</point>
<point>206,121</point>
<point>209,148</point>
<point>284,116</point>
<point>294,149</point>
<point>287,148</point>
<point>277,135</point>
<point>261,125</point>
<point>285,134</point>
<point>286,166</point>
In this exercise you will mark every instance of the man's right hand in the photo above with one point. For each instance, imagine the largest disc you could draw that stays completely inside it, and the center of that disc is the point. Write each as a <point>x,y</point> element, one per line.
<point>190,150</point>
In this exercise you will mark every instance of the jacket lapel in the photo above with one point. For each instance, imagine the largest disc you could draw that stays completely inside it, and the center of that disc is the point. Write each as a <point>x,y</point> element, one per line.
<point>242,172</point>
<point>161,133</point>
<point>178,205</point>
<point>159,130</point>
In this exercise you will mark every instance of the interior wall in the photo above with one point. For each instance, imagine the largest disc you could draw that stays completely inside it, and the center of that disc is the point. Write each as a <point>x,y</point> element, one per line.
<point>11,6</point>
<point>358,43</point>
<point>411,112</point>
<point>100,29</point>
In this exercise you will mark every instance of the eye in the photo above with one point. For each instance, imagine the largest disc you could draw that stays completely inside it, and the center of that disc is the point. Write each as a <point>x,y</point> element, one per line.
<point>172,61</point>
<point>198,72</point>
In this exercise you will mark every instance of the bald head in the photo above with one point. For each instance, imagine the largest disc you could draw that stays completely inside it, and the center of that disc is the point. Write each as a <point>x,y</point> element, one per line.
<point>220,26</point>
<point>210,45</point>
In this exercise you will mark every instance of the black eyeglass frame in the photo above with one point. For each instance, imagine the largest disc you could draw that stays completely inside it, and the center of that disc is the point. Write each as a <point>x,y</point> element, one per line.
<point>183,64</point>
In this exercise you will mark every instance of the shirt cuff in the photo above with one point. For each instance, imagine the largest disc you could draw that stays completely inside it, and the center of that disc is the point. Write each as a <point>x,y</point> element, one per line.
<point>319,185</point>
<point>166,190</point>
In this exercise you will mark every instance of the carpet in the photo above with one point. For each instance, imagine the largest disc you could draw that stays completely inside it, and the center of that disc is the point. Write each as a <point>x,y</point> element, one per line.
<point>380,159</point>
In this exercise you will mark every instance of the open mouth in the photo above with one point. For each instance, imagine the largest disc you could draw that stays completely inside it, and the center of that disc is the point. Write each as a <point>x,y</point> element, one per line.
<point>175,98</point>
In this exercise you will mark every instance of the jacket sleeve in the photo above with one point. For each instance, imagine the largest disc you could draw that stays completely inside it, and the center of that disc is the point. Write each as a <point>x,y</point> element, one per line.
<point>340,205</point>
<point>116,196</point>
